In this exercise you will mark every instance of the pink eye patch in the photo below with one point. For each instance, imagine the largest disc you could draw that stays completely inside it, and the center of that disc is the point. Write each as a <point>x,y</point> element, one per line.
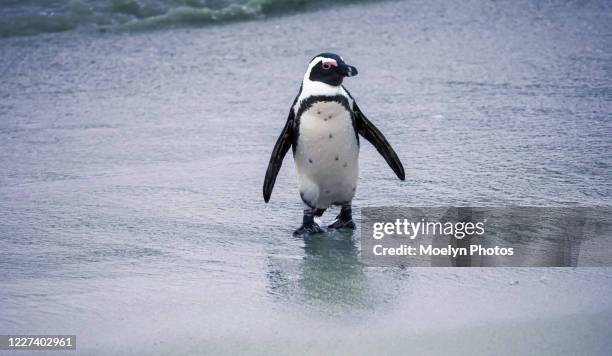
<point>330,62</point>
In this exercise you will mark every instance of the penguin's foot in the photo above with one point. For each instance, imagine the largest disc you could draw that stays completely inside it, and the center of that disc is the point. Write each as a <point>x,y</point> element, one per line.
<point>307,229</point>
<point>342,223</point>
<point>344,220</point>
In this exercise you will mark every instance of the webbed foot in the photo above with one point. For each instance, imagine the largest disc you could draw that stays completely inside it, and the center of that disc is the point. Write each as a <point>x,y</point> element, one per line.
<point>341,223</point>
<point>308,229</point>
<point>344,220</point>
<point>309,226</point>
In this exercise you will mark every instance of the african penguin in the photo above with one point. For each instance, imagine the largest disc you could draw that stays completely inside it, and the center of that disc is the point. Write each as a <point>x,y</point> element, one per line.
<point>323,128</point>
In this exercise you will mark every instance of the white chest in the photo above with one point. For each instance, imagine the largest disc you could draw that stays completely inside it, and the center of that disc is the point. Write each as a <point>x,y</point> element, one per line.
<point>327,153</point>
<point>327,127</point>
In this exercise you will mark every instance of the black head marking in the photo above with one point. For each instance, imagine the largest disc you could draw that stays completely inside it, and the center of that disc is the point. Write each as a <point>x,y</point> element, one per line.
<point>331,69</point>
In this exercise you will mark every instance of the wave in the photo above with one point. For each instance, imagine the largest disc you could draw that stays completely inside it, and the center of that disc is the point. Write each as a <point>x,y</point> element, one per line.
<point>31,17</point>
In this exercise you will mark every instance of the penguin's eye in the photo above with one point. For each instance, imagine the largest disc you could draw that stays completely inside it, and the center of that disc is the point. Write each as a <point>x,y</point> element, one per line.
<point>327,63</point>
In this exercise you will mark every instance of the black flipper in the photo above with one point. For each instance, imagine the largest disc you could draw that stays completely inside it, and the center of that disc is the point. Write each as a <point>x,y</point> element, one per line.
<point>278,154</point>
<point>366,129</point>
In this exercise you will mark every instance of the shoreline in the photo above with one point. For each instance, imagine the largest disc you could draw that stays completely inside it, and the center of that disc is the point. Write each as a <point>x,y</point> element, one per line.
<point>174,18</point>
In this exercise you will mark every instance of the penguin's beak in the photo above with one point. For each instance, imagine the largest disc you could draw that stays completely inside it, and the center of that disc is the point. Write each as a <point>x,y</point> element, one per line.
<point>347,70</point>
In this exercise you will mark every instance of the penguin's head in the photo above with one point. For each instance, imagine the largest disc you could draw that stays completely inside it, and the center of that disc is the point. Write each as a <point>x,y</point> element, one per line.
<point>329,68</point>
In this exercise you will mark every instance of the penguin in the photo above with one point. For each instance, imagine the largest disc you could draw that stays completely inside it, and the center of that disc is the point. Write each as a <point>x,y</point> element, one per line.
<point>323,129</point>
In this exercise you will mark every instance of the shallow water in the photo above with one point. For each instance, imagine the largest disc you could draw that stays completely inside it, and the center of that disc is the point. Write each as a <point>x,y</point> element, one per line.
<point>130,191</point>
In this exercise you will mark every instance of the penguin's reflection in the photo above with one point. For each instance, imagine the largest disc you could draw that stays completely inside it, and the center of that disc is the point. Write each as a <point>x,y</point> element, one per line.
<point>329,274</point>
<point>332,272</point>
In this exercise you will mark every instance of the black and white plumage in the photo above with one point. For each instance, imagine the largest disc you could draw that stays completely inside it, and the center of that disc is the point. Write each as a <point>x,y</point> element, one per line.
<point>323,128</point>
